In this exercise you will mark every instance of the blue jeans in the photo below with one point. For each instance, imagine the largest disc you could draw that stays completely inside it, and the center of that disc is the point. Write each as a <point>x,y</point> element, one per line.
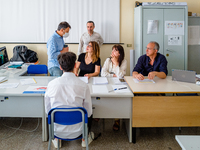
<point>55,71</point>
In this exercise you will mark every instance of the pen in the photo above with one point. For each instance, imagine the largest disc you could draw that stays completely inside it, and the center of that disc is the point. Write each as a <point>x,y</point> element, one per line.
<point>34,80</point>
<point>3,81</point>
<point>118,89</point>
<point>122,88</point>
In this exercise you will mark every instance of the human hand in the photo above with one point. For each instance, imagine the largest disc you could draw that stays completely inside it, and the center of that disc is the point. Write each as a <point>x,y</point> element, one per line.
<point>139,76</point>
<point>151,75</point>
<point>114,60</point>
<point>64,50</point>
<point>87,75</point>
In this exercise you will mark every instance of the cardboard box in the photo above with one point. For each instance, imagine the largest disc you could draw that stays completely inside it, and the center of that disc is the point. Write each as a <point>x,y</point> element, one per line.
<point>189,13</point>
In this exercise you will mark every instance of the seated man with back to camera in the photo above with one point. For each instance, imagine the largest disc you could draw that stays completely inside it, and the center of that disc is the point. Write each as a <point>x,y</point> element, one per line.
<point>69,91</point>
<point>151,64</point>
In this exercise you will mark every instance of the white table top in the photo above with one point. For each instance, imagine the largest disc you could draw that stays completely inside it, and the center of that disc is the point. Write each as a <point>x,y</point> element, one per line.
<point>188,142</point>
<point>44,80</point>
<point>162,86</point>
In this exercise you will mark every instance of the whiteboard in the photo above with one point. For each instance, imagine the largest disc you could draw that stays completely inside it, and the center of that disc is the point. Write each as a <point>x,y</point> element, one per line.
<point>34,21</point>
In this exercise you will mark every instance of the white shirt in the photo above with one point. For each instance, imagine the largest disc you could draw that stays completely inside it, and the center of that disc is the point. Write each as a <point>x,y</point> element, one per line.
<point>86,38</point>
<point>68,91</point>
<point>109,69</point>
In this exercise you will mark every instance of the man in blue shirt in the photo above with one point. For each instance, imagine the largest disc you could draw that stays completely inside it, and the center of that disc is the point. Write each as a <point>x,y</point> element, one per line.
<point>55,46</point>
<point>151,64</point>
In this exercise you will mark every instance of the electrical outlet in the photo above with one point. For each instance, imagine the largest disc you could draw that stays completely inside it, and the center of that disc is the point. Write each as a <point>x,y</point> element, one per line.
<point>129,45</point>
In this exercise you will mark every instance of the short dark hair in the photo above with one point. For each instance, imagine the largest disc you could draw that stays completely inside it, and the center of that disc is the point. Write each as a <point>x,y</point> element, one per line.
<point>67,61</point>
<point>91,22</point>
<point>120,49</point>
<point>63,25</point>
<point>156,45</point>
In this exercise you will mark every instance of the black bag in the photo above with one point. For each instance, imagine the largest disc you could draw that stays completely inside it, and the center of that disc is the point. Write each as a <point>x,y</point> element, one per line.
<point>22,53</point>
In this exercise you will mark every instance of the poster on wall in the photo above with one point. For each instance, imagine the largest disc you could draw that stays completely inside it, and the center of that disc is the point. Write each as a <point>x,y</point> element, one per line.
<point>194,35</point>
<point>174,40</point>
<point>174,27</point>
<point>152,27</point>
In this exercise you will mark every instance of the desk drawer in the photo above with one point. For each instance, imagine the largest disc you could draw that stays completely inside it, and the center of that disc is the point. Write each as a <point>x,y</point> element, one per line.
<point>111,107</point>
<point>24,106</point>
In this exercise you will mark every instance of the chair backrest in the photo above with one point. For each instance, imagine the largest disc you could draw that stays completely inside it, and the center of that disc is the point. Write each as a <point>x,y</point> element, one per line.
<point>67,116</point>
<point>37,69</point>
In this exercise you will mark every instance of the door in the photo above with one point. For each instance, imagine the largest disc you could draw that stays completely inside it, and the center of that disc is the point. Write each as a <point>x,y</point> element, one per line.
<point>174,52</point>
<point>148,15</point>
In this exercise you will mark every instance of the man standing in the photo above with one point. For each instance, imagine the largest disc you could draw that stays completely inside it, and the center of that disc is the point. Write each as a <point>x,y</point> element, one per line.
<point>55,46</point>
<point>151,64</point>
<point>69,91</point>
<point>89,36</point>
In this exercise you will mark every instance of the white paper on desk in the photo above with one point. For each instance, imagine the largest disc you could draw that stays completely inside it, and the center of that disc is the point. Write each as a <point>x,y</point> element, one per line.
<point>27,81</point>
<point>117,81</point>
<point>84,79</point>
<point>143,81</point>
<point>8,85</point>
<point>99,89</point>
<point>100,80</point>
<point>122,90</point>
<point>2,78</point>
<point>16,62</point>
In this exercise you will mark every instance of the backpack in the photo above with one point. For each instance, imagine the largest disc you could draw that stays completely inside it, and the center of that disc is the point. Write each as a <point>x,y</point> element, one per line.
<point>22,53</point>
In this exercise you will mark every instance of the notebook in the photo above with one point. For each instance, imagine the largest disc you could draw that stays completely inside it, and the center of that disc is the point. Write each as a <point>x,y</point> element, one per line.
<point>184,75</point>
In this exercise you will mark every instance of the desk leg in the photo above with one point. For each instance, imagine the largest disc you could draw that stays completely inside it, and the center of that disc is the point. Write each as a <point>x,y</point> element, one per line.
<point>133,135</point>
<point>44,125</point>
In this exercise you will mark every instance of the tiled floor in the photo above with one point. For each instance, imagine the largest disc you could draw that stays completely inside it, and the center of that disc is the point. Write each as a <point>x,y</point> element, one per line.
<point>147,138</point>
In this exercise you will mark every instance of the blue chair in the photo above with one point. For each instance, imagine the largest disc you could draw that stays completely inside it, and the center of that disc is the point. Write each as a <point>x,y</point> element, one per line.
<point>37,69</point>
<point>68,116</point>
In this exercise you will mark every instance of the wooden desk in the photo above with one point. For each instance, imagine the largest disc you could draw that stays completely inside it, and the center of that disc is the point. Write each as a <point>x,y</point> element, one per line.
<point>188,142</point>
<point>164,111</point>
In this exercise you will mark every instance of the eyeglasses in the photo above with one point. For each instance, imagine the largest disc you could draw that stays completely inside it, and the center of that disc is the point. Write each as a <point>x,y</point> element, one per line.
<point>89,45</point>
<point>149,48</point>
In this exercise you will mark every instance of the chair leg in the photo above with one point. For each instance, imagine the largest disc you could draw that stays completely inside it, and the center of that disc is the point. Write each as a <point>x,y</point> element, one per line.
<point>49,145</point>
<point>86,142</point>
<point>58,144</point>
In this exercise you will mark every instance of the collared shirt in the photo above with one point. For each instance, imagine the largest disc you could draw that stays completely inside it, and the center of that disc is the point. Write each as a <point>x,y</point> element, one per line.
<point>64,92</point>
<point>159,65</point>
<point>86,38</point>
<point>54,46</point>
<point>109,69</point>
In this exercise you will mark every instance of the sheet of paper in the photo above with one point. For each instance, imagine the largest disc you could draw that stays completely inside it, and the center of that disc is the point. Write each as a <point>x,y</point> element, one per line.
<point>143,81</point>
<point>16,62</point>
<point>99,89</point>
<point>2,78</point>
<point>152,27</point>
<point>35,89</point>
<point>27,81</point>
<point>84,79</point>
<point>8,85</point>
<point>174,40</point>
<point>174,27</point>
<point>122,90</point>
<point>193,35</point>
<point>100,80</point>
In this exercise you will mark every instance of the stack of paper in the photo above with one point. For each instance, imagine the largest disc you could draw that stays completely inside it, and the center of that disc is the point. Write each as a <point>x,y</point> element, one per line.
<point>100,80</point>
<point>2,79</point>
<point>8,85</point>
<point>143,81</point>
<point>27,81</point>
<point>119,81</point>
<point>84,79</point>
